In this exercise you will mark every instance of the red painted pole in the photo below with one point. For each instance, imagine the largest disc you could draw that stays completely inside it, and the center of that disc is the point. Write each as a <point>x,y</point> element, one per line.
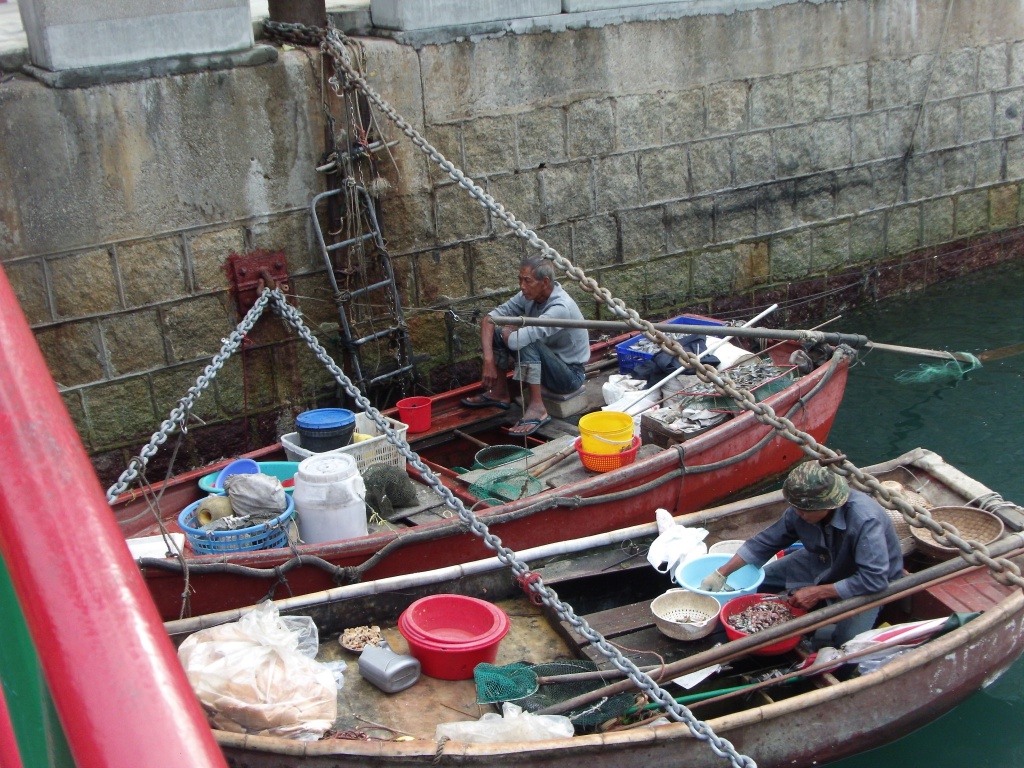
<point>121,695</point>
<point>10,755</point>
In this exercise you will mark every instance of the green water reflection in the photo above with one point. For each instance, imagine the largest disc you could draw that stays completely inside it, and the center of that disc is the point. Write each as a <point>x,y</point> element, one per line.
<point>976,424</point>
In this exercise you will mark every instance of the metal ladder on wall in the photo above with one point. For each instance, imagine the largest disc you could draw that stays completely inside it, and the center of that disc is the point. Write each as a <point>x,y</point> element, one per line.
<point>347,298</point>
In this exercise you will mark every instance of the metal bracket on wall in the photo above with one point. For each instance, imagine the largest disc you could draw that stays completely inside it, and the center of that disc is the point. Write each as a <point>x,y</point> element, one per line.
<point>250,273</point>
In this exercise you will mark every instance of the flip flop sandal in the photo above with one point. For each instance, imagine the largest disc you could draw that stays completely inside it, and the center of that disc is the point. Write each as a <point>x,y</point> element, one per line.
<point>483,401</point>
<point>527,422</point>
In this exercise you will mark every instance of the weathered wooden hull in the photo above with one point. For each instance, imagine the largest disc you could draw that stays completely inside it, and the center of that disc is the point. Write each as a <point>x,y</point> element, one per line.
<point>828,724</point>
<point>713,466</point>
<point>810,728</point>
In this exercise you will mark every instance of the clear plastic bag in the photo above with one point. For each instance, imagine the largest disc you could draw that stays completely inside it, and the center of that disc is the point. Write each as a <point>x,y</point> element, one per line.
<point>514,724</point>
<point>257,675</point>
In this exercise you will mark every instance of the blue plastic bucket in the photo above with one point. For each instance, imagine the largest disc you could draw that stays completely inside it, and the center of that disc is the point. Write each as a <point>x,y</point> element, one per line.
<point>325,429</point>
<point>744,581</point>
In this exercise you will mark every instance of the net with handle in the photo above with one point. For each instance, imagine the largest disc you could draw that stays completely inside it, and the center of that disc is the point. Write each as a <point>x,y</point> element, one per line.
<point>524,684</point>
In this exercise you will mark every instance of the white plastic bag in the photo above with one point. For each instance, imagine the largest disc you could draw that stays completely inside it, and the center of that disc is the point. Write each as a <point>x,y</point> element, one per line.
<point>513,724</point>
<point>619,385</point>
<point>910,635</point>
<point>251,676</point>
<point>675,544</point>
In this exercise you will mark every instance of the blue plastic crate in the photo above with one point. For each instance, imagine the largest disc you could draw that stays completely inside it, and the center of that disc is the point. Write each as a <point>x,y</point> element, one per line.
<point>630,358</point>
<point>268,535</point>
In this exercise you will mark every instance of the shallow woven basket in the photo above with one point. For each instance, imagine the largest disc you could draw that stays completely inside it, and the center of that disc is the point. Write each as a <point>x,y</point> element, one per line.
<point>907,542</point>
<point>685,615</point>
<point>976,524</point>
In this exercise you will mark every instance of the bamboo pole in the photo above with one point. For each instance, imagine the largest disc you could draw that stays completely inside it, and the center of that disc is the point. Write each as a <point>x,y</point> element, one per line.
<point>828,337</point>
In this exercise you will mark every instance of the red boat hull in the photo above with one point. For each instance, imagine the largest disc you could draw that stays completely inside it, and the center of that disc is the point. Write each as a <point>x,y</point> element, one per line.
<point>674,479</point>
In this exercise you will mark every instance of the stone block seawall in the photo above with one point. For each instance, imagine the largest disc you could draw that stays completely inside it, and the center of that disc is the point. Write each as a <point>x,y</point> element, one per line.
<point>715,161</point>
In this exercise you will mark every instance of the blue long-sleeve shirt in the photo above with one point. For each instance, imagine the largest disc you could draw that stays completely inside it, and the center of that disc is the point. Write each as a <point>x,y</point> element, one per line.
<point>857,550</point>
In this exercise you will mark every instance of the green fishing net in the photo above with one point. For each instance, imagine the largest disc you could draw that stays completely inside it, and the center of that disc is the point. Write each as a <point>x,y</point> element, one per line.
<point>503,485</point>
<point>950,370</point>
<point>520,683</point>
<point>508,683</point>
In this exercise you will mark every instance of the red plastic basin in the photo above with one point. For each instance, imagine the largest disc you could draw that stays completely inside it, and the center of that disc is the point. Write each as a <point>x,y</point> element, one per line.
<point>738,605</point>
<point>451,634</point>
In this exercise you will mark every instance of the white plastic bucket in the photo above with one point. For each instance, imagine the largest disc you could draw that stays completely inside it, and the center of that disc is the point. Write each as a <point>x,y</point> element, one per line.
<point>330,499</point>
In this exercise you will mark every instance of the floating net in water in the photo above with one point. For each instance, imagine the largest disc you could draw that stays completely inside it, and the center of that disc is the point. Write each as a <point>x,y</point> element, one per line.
<point>950,370</point>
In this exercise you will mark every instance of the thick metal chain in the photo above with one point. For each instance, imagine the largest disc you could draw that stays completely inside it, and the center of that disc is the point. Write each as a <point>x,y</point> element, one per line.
<point>974,552</point>
<point>179,414</point>
<point>700,729</point>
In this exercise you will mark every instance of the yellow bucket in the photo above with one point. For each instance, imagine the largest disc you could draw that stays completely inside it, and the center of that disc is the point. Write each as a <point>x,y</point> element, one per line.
<point>606,432</point>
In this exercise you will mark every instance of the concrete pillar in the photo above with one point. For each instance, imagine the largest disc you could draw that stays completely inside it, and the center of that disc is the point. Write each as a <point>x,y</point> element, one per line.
<point>424,14</point>
<point>73,34</point>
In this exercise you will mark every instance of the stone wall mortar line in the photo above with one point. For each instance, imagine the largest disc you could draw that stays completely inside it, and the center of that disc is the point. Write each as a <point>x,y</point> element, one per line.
<point>180,365</point>
<point>158,235</point>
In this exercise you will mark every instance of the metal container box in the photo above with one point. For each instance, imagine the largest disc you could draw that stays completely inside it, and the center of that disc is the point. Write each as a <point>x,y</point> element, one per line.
<point>389,671</point>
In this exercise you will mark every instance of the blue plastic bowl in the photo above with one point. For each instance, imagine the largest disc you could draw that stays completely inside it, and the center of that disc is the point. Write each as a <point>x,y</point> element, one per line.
<point>282,470</point>
<point>236,467</point>
<point>744,581</point>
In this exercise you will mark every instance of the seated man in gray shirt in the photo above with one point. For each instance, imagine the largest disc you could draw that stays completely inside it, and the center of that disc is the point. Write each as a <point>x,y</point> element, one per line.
<point>549,359</point>
<point>850,547</point>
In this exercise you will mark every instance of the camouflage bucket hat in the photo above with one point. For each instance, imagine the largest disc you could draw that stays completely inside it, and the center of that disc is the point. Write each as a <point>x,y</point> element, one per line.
<point>812,487</point>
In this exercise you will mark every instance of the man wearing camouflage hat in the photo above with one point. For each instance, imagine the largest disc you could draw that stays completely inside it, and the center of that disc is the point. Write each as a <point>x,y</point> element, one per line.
<point>850,547</point>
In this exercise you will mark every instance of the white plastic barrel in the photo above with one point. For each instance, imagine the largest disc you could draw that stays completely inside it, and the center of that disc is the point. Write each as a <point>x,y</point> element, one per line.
<point>330,499</point>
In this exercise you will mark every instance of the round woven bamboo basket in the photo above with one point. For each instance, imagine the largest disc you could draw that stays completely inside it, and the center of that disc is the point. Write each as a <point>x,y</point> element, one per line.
<point>907,542</point>
<point>685,615</point>
<point>974,524</point>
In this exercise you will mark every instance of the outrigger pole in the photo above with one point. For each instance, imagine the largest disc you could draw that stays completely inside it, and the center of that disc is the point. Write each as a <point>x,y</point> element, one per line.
<point>850,339</point>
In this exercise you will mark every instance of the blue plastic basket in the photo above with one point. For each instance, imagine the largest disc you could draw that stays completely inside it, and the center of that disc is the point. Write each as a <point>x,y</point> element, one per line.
<point>630,358</point>
<point>268,535</point>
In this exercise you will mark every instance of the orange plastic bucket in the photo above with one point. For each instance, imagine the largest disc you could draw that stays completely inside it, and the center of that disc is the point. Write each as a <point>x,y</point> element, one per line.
<point>415,411</point>
<point>606,432</point>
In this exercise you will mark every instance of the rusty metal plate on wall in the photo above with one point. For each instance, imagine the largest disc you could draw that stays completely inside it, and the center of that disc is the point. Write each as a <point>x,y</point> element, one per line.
<point>250,273</point>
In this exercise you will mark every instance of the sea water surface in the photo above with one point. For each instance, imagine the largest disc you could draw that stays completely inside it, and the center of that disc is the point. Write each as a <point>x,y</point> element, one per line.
<point>977,425</point>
